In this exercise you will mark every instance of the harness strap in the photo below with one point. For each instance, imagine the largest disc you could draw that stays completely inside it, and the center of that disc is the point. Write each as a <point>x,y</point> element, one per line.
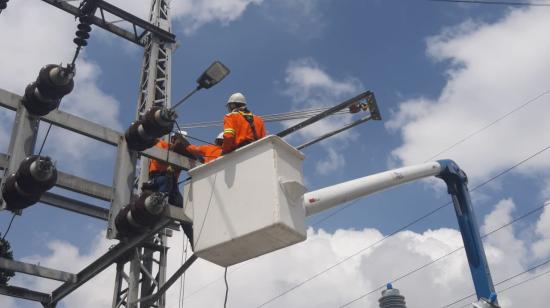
<point>250,119</point>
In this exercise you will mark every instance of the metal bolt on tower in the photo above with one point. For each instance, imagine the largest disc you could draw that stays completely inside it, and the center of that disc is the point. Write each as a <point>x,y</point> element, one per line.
<point>154,90</point>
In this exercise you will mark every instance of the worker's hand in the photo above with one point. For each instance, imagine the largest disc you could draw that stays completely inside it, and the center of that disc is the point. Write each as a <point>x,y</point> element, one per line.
<point>180,142</point>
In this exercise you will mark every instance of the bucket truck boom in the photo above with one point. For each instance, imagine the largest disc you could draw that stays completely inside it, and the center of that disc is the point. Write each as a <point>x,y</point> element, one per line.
<point>252,201</point>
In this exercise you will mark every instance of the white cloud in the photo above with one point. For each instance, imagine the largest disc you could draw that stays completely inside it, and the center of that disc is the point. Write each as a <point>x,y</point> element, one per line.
<point>256,281</point>
<point>493,68</point>
<point>310,86</point>
<point>193,14</point>
<point>335,161</point>
<point>541,247</point>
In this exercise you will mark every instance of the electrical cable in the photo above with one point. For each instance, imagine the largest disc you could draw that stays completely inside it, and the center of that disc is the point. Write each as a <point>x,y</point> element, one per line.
<point>277,117</point>
<point>191,137</point>
<point>493,2</point>
<point>502,281</point>
<point>404,227</point>
<point>450,147</point>
<point>423,216</point>
<point>407,274</point>
<point>9,226</point>
<point>489,125</point>
<point>44,141</point>
<point>197,139</point>
<point>415,221</point>
<point>182,279</point>
<point>517,284</point>
<point>226,288</point>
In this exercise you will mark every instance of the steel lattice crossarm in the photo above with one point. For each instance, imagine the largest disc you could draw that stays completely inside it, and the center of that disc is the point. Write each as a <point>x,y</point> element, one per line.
<point>140,27</point>
<point>76,184</point>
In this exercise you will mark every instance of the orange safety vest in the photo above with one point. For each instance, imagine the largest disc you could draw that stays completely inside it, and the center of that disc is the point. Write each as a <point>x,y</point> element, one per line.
<point>208,152</point>
<point>156,166</point>
<point>241,128</point>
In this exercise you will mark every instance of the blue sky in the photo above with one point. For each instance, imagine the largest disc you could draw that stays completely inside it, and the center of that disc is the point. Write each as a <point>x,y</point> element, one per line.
<point>439,71</point>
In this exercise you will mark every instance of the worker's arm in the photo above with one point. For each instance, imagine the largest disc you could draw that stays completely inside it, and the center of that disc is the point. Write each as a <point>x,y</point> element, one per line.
<point>228,134</point>
<point>195,150</point>
<point>180,145</point>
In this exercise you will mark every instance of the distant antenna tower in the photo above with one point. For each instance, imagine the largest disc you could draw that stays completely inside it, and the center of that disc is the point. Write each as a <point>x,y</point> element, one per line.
<point>391,298</point>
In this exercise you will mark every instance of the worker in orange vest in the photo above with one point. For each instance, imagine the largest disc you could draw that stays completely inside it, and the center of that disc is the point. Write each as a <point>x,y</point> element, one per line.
<point>240,126</point>
<point>163,177</point>
<point>207,152</point>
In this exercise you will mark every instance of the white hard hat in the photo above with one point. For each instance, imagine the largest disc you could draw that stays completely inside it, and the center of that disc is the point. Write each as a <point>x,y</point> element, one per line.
<point>237,98</point>
<point>220,136</point>
<point>181,132</point>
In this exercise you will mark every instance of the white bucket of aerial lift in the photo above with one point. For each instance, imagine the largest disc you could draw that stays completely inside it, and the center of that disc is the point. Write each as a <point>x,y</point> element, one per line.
<point>247,203</point>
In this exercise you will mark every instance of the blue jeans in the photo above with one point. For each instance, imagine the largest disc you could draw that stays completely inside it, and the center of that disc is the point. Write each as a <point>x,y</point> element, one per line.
<point>166,183</point>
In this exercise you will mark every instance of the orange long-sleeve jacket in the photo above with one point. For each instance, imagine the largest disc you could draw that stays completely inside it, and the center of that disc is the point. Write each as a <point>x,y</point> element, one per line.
<point>208,152</point>
<point>158,166</point>
<point>237,131</point>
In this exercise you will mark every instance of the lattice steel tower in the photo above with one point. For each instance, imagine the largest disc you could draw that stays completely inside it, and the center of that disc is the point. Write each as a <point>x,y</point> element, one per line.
<point>154,90</point>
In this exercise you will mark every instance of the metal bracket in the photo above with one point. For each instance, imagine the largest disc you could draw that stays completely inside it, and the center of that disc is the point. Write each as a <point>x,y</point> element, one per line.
<point>136,22</point>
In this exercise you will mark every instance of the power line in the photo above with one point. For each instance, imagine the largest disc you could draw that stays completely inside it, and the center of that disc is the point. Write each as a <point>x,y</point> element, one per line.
<point>518,284</point>
<point>503,281</point>
<point>503,172</point>
<point>45,138</point>
<point>277,117</point>
<point>489,125</point>
<point>407,274</point>
<point>182,279</point>
<point>336,212</point>
<point>524,281</point>
<point>9,226</point>
<point>493,2</point>
<point>415,221</point>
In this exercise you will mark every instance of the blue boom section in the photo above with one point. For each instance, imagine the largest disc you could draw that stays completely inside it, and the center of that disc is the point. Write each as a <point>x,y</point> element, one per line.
<point>457,186</point>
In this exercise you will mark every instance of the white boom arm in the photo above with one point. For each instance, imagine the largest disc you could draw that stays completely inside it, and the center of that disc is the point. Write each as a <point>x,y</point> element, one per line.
<point>328,197</point>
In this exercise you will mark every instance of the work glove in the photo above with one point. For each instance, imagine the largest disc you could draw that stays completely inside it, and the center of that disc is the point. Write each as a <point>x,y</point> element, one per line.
<point>180,143</point>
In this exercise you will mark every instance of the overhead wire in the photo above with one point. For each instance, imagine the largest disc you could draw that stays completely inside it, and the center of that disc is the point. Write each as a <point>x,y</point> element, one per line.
<point>534,267</point>
<point>277,117</point>
<point>493,2</point>
<point>182,278</point>
<point>409,273</point>
<point>422,217</point>
<point>518,284</point>
<point>44,140</point>
<point>503,172</point>
<point>9,226</point>
<point>490,124</point>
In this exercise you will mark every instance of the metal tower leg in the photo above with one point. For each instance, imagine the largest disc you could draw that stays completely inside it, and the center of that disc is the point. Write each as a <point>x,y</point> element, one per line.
<point>119,294</point>
<point>154,90</point>
<point>134,281</point>
<point>155,82</point>
<point>22,141</point>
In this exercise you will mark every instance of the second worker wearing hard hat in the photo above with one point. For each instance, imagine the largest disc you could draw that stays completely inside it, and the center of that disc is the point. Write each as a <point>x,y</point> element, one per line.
<point>240,126</point>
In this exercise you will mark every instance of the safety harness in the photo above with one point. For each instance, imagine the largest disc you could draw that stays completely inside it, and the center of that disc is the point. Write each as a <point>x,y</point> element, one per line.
<point>249,117</point>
